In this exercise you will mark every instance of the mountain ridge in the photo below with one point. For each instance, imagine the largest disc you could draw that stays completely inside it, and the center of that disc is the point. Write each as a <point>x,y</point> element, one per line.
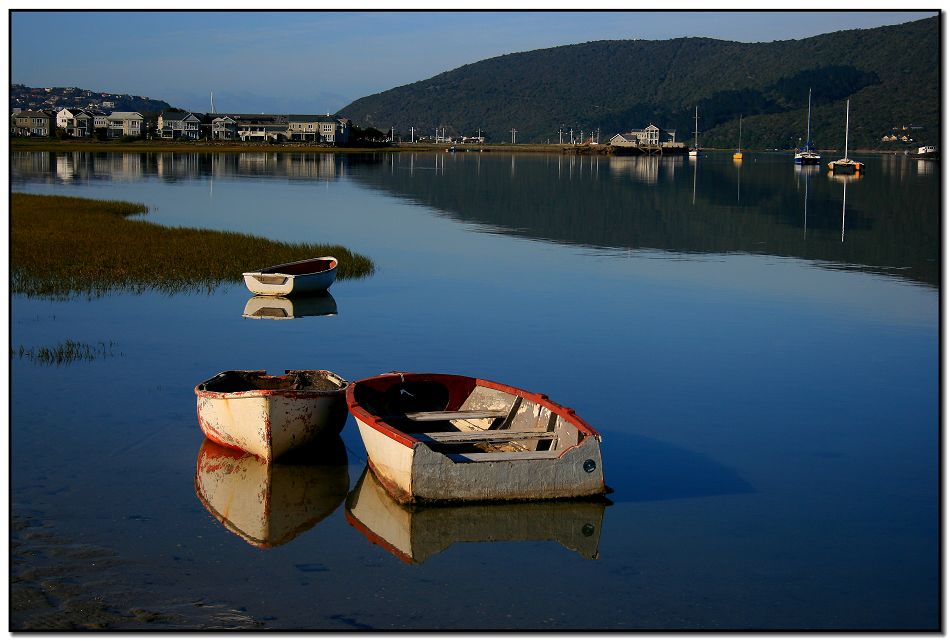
<point>890,74</point>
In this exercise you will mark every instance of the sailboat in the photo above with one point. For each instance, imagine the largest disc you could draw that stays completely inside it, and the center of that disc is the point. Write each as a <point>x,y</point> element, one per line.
<point>694,152</point>
<point>738,154</point>
<point>807,154</point>
<point>846,165</point>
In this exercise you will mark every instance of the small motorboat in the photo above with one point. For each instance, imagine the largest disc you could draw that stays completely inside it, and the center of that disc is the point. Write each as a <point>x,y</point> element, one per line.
<point>302,277</point>
<point>271,415</point>
<point>269,503</point>
<point>443,437</point>
<point>414,534</point>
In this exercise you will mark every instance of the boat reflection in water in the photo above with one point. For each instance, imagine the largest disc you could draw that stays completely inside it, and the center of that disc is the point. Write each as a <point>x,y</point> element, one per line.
<point>268,504</point>
<point>280,308</point>
<point>415,533</point>
<point>844,179</point>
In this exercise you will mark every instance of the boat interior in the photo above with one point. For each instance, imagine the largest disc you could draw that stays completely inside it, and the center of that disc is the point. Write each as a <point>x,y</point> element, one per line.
<point>456,415</point>
<point>311,266</point>
<point>258,380</point>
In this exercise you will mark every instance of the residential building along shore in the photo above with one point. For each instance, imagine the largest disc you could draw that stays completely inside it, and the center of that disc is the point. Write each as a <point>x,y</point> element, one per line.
<point>183,125</point>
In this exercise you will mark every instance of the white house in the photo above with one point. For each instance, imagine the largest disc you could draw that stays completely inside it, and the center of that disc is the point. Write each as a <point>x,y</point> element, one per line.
<point>179,124</point>
<point>125,123</point>
<point>650,135</point>
<point>77,122</point>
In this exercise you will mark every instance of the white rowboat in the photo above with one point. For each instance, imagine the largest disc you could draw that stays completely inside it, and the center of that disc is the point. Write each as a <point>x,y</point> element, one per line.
<point>302,277</point>
<point>442,437</point>
<point>270,415</point>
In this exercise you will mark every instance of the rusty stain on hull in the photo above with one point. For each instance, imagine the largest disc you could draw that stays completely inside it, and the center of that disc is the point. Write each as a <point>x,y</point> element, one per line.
<point>270,415</point>
<point>443,438</point>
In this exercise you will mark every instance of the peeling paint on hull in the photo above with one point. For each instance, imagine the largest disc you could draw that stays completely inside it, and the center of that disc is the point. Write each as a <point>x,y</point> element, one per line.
<point>563,461</point>
<point>269,416</point>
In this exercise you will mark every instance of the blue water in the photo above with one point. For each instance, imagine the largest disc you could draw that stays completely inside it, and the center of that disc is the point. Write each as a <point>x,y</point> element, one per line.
<point>765,379</point>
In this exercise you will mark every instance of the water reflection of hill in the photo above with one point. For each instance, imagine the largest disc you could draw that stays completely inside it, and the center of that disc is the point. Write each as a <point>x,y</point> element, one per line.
<point>891,224</point>
<point>892,217</point>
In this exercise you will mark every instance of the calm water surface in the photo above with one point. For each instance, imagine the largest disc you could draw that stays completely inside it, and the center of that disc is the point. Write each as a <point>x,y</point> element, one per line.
<point>758,345</point>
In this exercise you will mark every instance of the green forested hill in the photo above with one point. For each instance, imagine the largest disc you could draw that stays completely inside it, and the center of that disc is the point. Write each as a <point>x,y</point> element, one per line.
<point>891,75</point>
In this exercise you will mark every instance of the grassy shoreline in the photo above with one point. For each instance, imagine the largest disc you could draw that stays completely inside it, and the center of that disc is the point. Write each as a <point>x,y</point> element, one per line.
<point>64,246</point>
<point>232,147</point>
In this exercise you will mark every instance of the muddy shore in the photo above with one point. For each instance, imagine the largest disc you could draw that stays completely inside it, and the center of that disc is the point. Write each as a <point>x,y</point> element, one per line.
<point>58,584</point>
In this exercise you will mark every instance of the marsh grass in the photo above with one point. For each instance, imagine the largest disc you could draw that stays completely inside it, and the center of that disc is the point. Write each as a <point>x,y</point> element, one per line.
<point>63,246</point>
<point>65,353</point>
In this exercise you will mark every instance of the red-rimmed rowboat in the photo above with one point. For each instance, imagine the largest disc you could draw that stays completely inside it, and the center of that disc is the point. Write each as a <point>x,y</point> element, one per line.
<point>443,437</point>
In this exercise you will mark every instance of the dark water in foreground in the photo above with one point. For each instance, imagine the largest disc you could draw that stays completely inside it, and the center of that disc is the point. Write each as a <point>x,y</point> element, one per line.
<point>761,360</point>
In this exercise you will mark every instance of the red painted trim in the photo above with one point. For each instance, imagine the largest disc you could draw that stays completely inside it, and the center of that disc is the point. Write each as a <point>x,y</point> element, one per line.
<point>376,539</point>
<point>563,411</point>
<point>257,393</point>
<point>374,421</point>
<point>386,429</point>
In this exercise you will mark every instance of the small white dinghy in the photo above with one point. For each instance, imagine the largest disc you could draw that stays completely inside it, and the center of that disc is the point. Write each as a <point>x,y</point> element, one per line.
<point>271,415</point>
<point>302,277</point>
<point>442,437</point>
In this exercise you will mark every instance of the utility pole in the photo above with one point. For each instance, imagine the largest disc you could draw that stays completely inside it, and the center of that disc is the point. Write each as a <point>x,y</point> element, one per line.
<point>514,135</point>
<point>412,133</point>
<point>560,135</point>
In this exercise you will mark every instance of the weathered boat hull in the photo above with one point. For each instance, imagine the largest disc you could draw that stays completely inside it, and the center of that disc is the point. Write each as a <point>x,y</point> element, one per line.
<point>415,534</point>
<point>270,415</point>
<point>265,503</point>
<point>301,277</point>
<point>562,461</point>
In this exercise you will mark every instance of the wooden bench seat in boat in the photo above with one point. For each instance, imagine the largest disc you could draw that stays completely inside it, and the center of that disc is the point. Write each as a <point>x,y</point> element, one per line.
<point>470,457</point>
<point>457,415</point>
<point>483,436</point>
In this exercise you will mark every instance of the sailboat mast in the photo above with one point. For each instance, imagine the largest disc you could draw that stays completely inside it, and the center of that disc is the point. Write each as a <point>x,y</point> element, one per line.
<point>696,132</point>
<point>740,133</point>
<point>808,128</point>
<point>847,111</point>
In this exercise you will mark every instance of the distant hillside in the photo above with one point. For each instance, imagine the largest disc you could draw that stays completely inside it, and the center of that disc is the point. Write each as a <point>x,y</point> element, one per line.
<point>891,75</point>
<point>56,98</point>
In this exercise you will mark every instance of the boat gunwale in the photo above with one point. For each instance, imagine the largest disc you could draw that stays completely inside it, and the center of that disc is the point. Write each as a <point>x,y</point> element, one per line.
<point>266,393</point>
<point>272,270</point>
<point>380,425</point>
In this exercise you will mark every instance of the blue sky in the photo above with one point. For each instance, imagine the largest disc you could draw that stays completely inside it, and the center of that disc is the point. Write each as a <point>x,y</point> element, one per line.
<point>306,62</point>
